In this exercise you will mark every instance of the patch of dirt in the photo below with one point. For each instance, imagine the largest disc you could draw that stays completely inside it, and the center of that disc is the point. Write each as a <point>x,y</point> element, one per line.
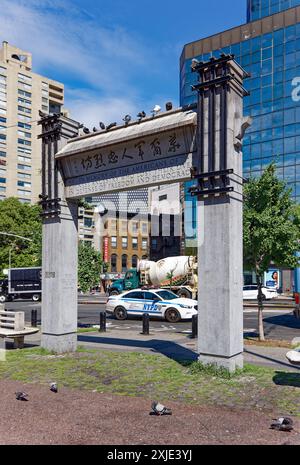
<point>268,343</point>
<point>86,417</point>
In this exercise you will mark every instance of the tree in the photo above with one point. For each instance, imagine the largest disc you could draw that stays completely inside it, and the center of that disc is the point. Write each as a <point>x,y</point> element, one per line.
<point>22,220</point>
<point>89,267</point>
<point>271,233</point>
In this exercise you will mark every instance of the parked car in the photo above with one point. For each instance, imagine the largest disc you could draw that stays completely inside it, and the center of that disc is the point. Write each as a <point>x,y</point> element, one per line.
<point>250,292</point>
<point>159,302</point>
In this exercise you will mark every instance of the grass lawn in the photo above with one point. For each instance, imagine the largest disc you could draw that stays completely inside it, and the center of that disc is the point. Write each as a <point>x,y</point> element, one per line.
<point>157,377</point>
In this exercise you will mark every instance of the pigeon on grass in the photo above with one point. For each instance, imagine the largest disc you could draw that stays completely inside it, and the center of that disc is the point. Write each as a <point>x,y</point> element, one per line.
<point>159,409</point>
<point>21,396</point>
<point>53,387</point>
<point>283,424</point>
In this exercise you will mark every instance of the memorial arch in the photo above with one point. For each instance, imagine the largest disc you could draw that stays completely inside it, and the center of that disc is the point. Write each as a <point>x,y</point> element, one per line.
<point>202,143</point>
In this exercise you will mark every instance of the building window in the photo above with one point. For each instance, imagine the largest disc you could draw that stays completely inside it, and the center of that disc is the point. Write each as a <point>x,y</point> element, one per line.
<point>113,263</point>
<point>24,125</point>
<point>134,261</point>
<point>24,167</point>
<point>24,110</point>
<point>124,227</point>
<point>135,227</point>
<point>144,244</point>
<point>24,134</point>
<point>25,193</point>
<point>24,142</point>
<point>24,184</point>
<point>114,242</point>
<point>24,93</point>
<point>154,244</point>
<point>163,197</point>
<point>88,222</point>
<point>24,150</point>
<point>24,102</point>
<point>24,118</point>
<point>24,175</point>
<point>24,78</point>
<point>124,242</point>
<point>145,228</point>
<point>134,243</point>
<point>25,86</point>
<point>124,263</point>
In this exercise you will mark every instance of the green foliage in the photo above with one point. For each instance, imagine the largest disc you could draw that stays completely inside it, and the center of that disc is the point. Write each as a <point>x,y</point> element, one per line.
<point>89,267</point>
<point>213,370</point>
<point>23,220</point>
<point>83,204</point>
<point>271,232</point>
<point>106,266</point>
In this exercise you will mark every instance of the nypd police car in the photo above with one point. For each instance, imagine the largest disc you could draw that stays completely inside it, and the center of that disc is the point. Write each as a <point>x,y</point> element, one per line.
<point>159,302</point>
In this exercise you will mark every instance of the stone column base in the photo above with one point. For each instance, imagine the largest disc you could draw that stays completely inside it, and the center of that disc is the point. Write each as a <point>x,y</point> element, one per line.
<point>59,343</point>
<point>229,363</point>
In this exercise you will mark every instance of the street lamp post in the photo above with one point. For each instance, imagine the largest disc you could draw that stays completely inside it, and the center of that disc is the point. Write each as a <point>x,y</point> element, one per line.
<point>11,248</point>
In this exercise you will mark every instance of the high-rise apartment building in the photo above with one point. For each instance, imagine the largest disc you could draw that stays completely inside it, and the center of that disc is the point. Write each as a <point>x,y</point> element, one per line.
<point>22,94</point>
<point>268,47</point>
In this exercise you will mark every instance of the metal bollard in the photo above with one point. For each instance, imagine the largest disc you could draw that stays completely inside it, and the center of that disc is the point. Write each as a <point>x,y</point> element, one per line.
<point>146,324</point>
<point>194,326</point>
<point>34,318</point>
<point>102,328</point>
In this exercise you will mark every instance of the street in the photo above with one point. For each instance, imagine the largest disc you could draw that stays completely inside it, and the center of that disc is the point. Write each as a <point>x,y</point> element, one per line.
<point>279,323</point>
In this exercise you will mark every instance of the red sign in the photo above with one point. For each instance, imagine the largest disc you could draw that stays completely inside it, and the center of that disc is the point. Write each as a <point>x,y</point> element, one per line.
<point>105,251</point>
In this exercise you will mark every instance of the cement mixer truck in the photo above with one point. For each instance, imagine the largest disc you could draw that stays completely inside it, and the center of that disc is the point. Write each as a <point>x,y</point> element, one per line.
<point>178,274</point>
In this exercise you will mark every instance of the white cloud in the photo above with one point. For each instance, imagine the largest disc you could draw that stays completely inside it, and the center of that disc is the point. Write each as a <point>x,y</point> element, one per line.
<point>105,59</point>
<point>63,37</point>
<point>91,107</point>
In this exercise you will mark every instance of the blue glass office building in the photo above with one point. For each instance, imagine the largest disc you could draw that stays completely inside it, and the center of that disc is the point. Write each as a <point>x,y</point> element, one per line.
<point>257,9</point>
<point>268,47</point>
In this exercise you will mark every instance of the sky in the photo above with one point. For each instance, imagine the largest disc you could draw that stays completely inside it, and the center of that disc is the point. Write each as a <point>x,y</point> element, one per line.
<point>115,57</point>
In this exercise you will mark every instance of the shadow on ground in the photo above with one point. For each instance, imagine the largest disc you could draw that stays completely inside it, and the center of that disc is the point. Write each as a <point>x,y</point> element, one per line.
<point>271,359</point>
<point>168,348</point>
<point>288,321</point>
<point>282,378</point>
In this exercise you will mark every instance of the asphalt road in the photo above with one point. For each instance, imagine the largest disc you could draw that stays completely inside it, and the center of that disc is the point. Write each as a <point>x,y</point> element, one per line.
<point>278,323</point>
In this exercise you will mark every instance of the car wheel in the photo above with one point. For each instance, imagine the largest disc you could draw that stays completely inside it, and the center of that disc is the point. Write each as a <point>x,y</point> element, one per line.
<point>35,298</point>
<point>185,294</point>
<point>172,315</point>
<point>2,299</point>
<point>120,313</point>
<point>114,293</point>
